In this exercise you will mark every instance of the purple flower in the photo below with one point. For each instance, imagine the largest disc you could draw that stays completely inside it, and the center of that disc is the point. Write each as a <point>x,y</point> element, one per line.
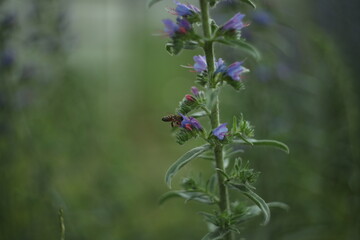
<point>170,27</point>
<point>200,63</point>
<point>235,23</point>
<point>185,9</point>
<point>184,25</point>
<point>235,70</point>
<point>220,66</point>
<point>189,123</point>
<point>220,131</point>
<point>195,91</point>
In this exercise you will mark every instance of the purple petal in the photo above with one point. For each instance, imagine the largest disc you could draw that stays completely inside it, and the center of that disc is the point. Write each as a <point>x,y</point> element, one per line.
<point>235,23</point>
<point>220,131</point>
<point>170,27</point>
<point>195,91</point>
<point>200,63</point>
<point>235,70</point>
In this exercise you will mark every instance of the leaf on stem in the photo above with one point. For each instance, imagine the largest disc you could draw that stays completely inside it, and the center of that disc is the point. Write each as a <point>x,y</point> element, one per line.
<point>188,195</point>
<point>244,189</point>
<point>249,2</point>
<point>183,160</point>
<point>265,142</point>
<point>241,44</point>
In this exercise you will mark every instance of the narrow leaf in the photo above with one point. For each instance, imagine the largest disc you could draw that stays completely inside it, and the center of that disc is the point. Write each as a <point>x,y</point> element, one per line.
<point>249,2</point>
<point>188,195</point>
<point>199,114</point>
<point>234,153</point>
<point>152,2</point>
<point>234,127</point>
<point>266,142</point>
<point>222,172</point>
<point>255,198</point>
<point>241,44</point>
<point>183,160</point>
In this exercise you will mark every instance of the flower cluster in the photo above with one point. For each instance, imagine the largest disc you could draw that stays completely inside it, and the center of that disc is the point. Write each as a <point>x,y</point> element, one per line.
<point>181,31</point>
<point>234,70</point>
<point>181,27</point>
<point>185,10</point>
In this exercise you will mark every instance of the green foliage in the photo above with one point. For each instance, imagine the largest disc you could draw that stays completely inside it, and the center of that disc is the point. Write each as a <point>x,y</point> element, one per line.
<point>193,191</point>
<point>240,44</point>
<point>251,3</point>
<point>265,142</point>
<point>183,160</point>
<point>246,190</point>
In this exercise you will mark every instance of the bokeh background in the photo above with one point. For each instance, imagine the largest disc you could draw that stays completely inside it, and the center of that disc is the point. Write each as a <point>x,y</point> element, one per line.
<point>84,84</point>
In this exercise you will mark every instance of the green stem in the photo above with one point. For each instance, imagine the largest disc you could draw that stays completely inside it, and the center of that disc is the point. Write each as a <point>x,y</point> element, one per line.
<point>224,202</point>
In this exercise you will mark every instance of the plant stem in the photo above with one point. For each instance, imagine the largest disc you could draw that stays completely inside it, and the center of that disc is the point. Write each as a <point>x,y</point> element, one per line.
<point>224,203</point>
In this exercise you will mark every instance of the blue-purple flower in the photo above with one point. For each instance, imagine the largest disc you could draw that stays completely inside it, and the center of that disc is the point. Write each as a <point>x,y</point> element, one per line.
<point>235,23</point>
<point>221,131</point>
<point>235,70</point>
<point>195,91</point>
<point>184,10</point>
<point>201,65</point>
<point>190,123</point>
<point>182,26</point>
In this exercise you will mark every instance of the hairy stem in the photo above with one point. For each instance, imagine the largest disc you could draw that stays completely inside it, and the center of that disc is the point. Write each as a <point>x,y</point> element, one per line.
<point>224,202</point>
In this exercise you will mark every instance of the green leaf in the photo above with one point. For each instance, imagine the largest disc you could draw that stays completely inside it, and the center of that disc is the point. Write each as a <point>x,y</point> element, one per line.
<point>188,195</point>
<point>244,189</point>
<point>234,127</point>
<point>241,44</point>
<point>152,2</point>
<point>234,153</point>
<point>249,2</point>
<point>199,114</point>
<point>183,160</point>
<point>218,234</point>
<point>265,142</point>
<point>222,172</point>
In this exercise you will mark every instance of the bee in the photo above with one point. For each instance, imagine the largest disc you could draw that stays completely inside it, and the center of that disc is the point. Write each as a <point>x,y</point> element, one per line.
<point>174,119</point>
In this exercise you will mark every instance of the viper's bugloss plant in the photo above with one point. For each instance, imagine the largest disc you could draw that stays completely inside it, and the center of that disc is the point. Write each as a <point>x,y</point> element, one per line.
<point>224,141</point>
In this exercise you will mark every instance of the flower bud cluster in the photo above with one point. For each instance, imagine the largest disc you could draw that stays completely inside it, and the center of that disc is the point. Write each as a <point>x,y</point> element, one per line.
<point>191,102</point>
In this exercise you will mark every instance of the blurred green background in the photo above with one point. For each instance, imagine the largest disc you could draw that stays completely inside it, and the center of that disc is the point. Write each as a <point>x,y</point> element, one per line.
<point>85,83</point>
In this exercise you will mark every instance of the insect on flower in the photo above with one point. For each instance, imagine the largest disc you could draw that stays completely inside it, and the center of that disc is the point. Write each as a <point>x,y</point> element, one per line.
<point>174,119</point>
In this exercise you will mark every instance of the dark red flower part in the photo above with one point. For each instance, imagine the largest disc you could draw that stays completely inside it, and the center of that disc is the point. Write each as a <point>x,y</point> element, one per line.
<point>190,98</point>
